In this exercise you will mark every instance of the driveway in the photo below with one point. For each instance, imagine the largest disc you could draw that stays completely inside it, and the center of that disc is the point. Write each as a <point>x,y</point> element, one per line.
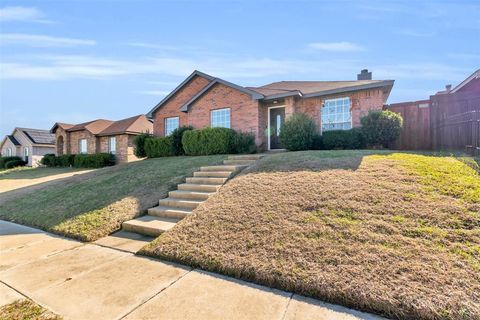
<point>93,281</point>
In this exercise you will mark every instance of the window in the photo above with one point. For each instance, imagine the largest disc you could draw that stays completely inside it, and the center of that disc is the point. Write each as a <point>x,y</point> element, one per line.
<point>9,152</point>
<point>82,146</point>
<point>336,114</point>
<point>220,118</point>
<point>171,124</point>
<point>112,145</point>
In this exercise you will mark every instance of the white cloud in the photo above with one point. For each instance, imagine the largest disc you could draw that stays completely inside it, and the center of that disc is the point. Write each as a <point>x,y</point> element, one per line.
<point>17,13</point>
<point>342,46</point>
<point>36,40</point>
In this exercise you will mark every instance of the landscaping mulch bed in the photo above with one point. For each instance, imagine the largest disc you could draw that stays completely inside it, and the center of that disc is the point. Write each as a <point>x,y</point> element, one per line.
<point>393,234</point>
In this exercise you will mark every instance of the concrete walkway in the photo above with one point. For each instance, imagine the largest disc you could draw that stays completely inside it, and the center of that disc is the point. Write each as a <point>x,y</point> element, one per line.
<point>90,281</point>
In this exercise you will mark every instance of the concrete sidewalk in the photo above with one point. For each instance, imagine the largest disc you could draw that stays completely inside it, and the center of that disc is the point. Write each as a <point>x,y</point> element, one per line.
<point>89,281</point>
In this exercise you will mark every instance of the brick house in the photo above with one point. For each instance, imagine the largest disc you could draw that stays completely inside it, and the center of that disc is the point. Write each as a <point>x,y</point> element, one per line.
<point>29,144</point>
<point>101,136</point>
<point>203,101</point>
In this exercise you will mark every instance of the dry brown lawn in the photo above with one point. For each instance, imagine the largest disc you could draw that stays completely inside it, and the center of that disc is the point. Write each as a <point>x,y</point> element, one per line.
<point>393,234</point>
<point>26,310</point>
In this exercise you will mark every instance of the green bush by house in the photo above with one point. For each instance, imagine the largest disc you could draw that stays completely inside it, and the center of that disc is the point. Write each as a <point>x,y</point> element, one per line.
<point>208,141</point>
<point>97,160</point>
<point>343,139</point>
<point>139,142</point>
<point>159,147</point>
<point>4,160</point>
<point>381,127</point>
<point>298,132</point>
<point>176,137</point>
<point>244,142</point>
<point>14,163</point>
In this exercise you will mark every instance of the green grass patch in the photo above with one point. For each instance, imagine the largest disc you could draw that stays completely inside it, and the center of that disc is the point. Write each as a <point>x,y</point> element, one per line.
<point>94,204</point>
<point>34,173</point>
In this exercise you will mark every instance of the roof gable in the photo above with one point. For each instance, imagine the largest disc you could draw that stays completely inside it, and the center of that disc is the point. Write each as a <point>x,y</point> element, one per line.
<point>94,127</point>
<point>253,94</point>
<point>133,125</point>
<point>473,77</point>
<point>180,86</point>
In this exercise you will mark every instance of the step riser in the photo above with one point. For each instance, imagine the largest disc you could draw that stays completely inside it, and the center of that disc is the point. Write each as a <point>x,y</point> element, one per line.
<point>167,214</point>
<point>198,187</point>
<point>178,204</point>
<point>220,168</point>
<point>212,174</point>
<point>198,180</point>
<point>152,232</point>
<point>238,162</point>
<point>188,195</point>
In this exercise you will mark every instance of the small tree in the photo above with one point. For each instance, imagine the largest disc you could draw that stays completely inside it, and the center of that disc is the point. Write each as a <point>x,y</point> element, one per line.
<point>298,132</point>
<point>139,142</point>
<point>381,127</point>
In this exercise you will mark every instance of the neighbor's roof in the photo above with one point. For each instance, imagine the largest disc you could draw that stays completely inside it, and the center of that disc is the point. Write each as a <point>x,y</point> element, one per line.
<point>38,136</point>
<point>94,127</point>
<point>133,125</point>
<point>13,140</point>
<point>316,88</point>
<point>475,75</point>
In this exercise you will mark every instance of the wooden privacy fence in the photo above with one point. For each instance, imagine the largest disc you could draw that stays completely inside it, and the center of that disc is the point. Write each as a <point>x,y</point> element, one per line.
<point>455,121</point>
<point>445,122</point>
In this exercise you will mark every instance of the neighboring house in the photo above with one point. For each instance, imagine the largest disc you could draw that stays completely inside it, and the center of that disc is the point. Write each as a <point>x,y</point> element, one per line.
<point>29,144</point>
<point>205,101</point>
<point>449,119</point>
<point>101,136</point>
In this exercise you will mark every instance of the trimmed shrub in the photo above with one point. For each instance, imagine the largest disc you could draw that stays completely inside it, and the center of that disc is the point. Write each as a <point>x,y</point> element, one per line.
<point>48,160</point>
<point>244,143</point>
<point>208,141</point>
<point>4,160</point>
<point>343,139</point>
<point>66,160</point>
<point>14,163</point>
<point>139,141</point>
<point>159,147</point>
<point>177,136</point>
<point>298,132</point>
<point>317,142</point>
<point>97,160</point>
<point>381,127</point>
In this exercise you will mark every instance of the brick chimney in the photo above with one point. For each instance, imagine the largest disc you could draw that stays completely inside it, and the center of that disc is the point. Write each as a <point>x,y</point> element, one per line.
<point>364,75</point>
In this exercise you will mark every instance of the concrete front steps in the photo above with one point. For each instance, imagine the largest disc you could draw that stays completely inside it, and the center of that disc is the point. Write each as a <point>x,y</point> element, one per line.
<point>189,195</point>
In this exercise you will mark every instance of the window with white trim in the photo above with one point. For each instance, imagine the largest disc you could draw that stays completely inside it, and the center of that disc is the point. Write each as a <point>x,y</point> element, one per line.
<point>112,145</point>
<point>9,152</point>
<point>82,146</point>
<point>171,124</point>
<point>220,118</point>
<point>336,114</point>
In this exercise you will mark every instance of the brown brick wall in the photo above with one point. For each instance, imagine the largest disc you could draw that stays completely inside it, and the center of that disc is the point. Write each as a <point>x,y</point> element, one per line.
<point>124,147</point>
<point>243,109</point>
<point>172,107</point>
<point>362,102</point>
<point>66,141</point>
<point>83,134</point>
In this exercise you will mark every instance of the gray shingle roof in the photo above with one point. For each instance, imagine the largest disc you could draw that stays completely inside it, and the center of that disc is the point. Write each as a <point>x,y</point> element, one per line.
<point>39,136</point>
<point>14,141</point>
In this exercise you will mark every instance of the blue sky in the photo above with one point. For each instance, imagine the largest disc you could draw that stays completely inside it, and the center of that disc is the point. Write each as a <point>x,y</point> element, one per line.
<point>73,61</point>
